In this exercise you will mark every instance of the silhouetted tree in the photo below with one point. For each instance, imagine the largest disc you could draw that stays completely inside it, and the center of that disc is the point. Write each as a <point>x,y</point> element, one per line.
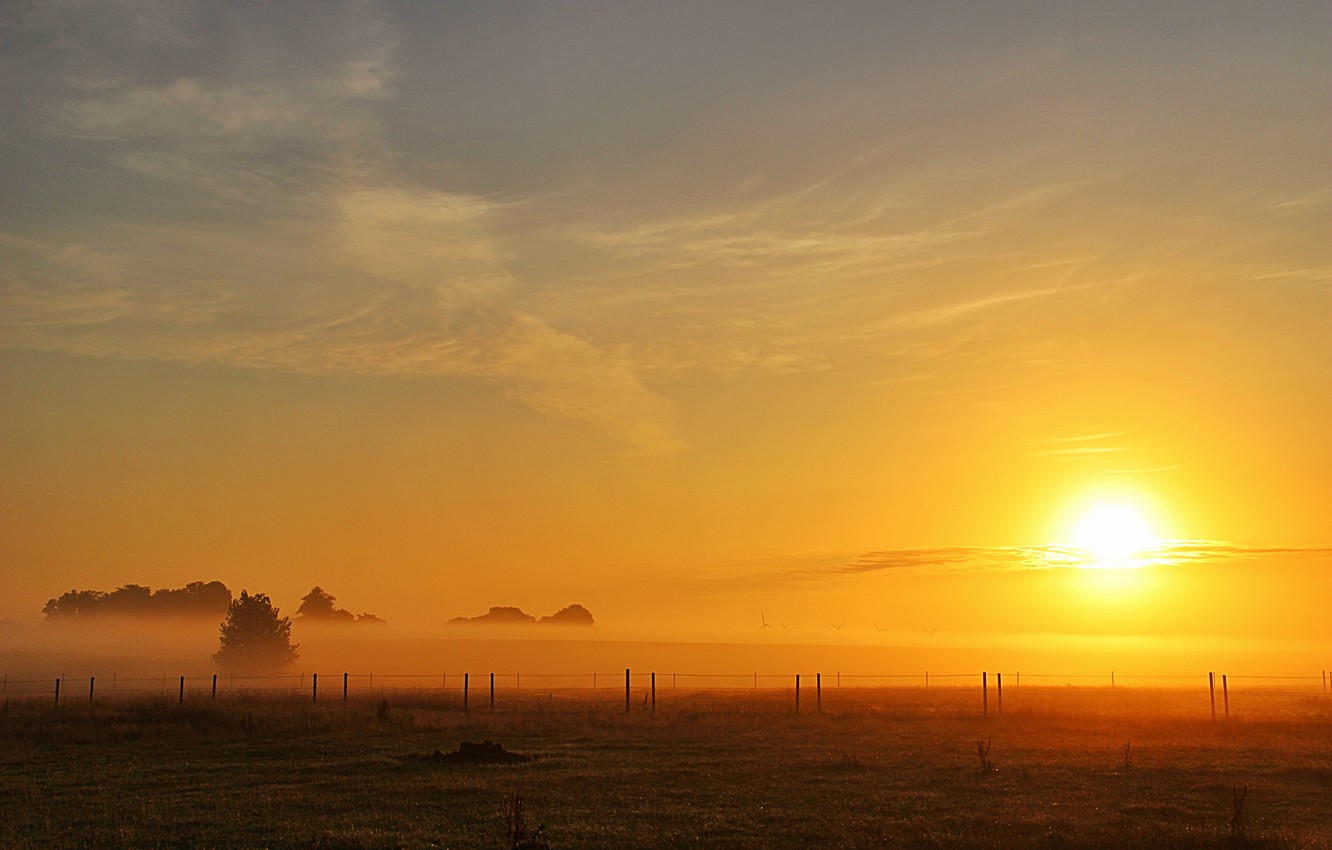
<point>193,600</point>
<point>573,615</point>
<point>498,615</point>
<point>318,606</point>
<point>254,638</point>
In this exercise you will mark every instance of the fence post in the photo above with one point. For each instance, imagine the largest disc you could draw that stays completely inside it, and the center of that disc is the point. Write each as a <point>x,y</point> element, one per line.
<point>1211,688</point>
<point>1112,678</point>
<point>91,679</point>
<point>314,687</point>
<point>927,678</point>
<point>214,686</point>
<point>57,698</point>
<point>1225,693</point>
<point>797,693</point>
<point>626,690</point>
<point>985,693</point>
<point>818,693</point>
<point>344,687</point>
<point>492,691</point>
<point>999,689</point>
<point>466,682</point>
<point>654,693</point>
<point>181,699</point>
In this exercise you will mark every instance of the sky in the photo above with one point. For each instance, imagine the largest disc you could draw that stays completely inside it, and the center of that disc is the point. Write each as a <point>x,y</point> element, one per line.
<point>695,314</point>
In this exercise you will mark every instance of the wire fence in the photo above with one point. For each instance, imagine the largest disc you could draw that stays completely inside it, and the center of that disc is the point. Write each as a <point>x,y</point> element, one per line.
<point>1219,696</point>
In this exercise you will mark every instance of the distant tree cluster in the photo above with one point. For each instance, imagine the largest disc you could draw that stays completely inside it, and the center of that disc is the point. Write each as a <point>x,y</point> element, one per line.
<point>573,615</point>
<point>255,638</point>
<point>318,606</point>
<point>196,599</point>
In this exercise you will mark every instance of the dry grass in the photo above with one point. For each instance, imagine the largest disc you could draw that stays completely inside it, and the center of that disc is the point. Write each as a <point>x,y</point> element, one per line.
<point>875,770</point>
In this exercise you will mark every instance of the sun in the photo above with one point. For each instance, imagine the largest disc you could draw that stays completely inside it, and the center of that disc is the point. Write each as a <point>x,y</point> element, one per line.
<point>1113,534</point>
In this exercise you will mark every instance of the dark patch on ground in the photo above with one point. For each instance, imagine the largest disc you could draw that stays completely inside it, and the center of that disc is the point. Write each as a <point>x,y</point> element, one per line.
<point>486,752</point>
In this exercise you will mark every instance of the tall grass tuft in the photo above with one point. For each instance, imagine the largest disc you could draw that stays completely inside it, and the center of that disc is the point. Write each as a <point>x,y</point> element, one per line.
<point>519,838</point>
<point>1238,829</point>
<point>983,753</point>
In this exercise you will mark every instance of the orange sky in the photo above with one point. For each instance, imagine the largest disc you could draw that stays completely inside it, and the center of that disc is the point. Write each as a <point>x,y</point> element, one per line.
<point>677,313</point>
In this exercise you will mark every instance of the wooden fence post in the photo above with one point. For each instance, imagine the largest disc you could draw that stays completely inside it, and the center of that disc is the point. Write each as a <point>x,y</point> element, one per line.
<point>181,699</point>
<point>1225,693</point>
<point>985,693</point>
<point>654,693</point>
<point>214,686</point>
<point>1211,688</point>
<point>999,689</point>
<point>626,690</point>
<point>492,691</point>
<point>91,679</point>
<point>344,687</point>
<point>797,693</point>
<point>314,687</point>
<point>927,678</point>
<point>466,682</point>
<point>818,693</point>
<point>57,697</point>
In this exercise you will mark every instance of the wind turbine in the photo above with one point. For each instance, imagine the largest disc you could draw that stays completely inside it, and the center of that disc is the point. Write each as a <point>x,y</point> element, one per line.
<point>764,619</point>
<point>876,627</point>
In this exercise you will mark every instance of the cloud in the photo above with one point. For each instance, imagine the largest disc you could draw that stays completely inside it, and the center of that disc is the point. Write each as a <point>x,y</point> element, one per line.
<point>977,559</point>
<point>270,227</point>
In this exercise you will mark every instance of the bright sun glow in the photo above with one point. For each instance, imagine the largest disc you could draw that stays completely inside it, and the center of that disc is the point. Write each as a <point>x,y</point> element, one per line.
<point>1112,534</point>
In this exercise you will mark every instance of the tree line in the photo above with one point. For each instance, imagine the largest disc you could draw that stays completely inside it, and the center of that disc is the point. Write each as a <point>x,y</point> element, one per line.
<point>254,637</point>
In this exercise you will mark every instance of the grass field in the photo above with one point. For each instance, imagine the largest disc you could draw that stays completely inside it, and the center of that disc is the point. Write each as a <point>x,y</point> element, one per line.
<point>878,768</point>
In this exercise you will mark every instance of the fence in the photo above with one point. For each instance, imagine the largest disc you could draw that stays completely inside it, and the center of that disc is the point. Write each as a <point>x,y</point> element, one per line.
<point>1218,696</point>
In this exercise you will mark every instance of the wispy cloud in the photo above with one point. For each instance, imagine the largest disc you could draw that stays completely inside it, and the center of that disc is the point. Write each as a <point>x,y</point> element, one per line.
<point>974,559</point>
<point>298,247</point>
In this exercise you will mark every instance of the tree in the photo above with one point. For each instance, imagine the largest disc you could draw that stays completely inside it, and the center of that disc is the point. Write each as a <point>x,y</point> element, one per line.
<point>318,606</point>
<point>254,638</point>
<point>196,599</point>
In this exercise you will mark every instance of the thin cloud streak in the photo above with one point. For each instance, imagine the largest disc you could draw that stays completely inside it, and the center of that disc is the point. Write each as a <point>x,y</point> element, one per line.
<point>987,559</point>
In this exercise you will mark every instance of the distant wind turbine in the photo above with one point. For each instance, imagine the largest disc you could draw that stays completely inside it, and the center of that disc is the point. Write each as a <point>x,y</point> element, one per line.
<point>764,619</point>
<point>838,627</point>
<point>877,629</point>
